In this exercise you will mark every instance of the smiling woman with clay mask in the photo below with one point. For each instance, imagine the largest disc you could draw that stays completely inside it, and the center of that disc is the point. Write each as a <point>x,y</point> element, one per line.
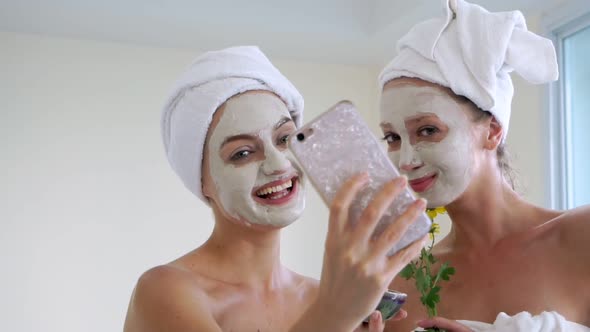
<point>445,108</point>
<point>430,137</point>
<point>246,168</point>
<point>225,130</point>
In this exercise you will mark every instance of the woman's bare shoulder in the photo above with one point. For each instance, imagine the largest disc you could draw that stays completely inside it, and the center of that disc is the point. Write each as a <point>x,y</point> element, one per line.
<point>561,223</point>
<point>574,226</point>
<point>167,295</point>
<point>581,213</point>
<point>169,277</point>
<point>567,235</point>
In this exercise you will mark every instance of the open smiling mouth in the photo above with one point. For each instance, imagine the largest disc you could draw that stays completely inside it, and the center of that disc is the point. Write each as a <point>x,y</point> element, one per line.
<point>276,192</point>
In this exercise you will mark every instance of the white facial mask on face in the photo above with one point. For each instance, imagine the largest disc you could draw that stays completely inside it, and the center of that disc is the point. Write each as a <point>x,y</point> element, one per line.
<point>254,114</point>
<point>450,159</point>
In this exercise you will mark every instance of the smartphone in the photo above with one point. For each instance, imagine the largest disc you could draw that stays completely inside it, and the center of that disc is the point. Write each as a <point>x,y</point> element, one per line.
<point>390,304</point>
<point>337,145</point>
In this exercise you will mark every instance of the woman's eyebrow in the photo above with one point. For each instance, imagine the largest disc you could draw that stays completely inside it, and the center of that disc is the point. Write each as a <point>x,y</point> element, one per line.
<point>283,121</point>
<point>230,139</point>
<point>385,125</point>
<point>419,117</point>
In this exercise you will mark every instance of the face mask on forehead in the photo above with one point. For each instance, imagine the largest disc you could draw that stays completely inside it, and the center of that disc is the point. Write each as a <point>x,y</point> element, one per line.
<point>240,188</point>
<point>438,171</point>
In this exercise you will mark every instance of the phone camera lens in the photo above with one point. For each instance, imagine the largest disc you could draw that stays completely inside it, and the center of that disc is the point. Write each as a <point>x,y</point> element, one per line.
<point>300,137</point>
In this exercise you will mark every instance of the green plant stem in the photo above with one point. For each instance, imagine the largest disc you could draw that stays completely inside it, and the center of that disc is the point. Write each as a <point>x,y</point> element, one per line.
<point>431,311</point>
<point>426,283</point>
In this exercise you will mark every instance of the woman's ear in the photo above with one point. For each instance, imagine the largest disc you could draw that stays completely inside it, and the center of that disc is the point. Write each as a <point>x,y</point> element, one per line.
<point>495,134</point>
<point>206,180</point>
<point>206,189</point>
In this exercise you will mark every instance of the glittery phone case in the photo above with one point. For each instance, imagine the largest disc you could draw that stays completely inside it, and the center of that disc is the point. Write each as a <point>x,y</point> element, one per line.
<point>337,145</point>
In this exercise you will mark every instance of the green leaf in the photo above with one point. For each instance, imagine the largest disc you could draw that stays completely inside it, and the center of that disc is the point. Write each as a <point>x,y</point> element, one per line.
<point>423,254</point>
<point>446,272</point>
<point>422,281</point>
<point>408,271</point>
<point>432,298</point>
<point>431,258</point>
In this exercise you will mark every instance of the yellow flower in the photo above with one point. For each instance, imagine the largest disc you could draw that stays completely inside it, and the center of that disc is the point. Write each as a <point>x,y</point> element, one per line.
<point>440,210</point>
<point>432,213</point>
<point>434,229</point>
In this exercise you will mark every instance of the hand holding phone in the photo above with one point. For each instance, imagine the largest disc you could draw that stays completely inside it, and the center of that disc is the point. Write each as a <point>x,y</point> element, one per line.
<point>360,185</point>
<point>357,270</point>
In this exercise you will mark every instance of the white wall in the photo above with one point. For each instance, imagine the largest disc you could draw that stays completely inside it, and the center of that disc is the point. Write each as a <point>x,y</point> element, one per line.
<point>526,136</point>
<point>87,199</point>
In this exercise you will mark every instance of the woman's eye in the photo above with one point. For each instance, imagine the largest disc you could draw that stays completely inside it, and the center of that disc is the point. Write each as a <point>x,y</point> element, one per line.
<point>427,131</point>
<point>240,155</point>
<point>391,138</point>
<point>283,140</point>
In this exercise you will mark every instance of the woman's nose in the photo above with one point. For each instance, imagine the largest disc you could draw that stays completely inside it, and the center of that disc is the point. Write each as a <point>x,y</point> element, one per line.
<point>409,159</point>
<point>275,162</point>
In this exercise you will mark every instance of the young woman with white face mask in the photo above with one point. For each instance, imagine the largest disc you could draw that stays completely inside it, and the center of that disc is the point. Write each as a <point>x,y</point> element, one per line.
<point>235,280</point>
<point>519,267</point>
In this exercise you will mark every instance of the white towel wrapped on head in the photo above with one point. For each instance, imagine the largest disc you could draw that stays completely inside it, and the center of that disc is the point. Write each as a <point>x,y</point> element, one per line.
<point>472,51</point>
<point>212,79</point>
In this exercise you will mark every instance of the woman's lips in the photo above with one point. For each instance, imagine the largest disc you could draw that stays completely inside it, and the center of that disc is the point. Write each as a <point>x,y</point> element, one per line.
<point>279,197</point>
<point>422,184</point>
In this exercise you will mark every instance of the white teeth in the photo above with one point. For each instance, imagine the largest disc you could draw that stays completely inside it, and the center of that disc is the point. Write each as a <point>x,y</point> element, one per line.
<point>279,196</point>
<point>275,189</point>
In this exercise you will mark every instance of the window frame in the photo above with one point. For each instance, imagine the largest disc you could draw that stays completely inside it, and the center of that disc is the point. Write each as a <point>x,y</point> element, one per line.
<point>557,112</point>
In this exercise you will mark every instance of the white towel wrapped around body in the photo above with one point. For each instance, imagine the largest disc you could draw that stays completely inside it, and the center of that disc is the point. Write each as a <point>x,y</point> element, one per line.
<point>472,52</point>
<point>212,79</point>
<point>525,322</point>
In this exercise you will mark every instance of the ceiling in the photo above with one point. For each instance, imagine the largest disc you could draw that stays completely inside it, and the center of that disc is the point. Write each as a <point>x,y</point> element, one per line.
<point>335,31</point>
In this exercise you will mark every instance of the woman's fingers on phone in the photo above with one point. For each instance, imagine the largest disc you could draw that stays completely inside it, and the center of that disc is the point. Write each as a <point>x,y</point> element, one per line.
<point>397,228</point>
<point>443,323</point>
<point>344,197</point>
<point>376,322</point>
<point>379,204</point>
<point>401,314</point>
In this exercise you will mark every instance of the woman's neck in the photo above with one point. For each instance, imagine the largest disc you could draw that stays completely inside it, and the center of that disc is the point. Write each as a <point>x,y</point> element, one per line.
<point>488,212</point>
<point>250,256</point>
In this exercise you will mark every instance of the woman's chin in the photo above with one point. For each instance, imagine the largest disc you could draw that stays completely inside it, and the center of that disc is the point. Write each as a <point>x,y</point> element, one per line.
<point>271,219</point>
<point>435,198</point>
